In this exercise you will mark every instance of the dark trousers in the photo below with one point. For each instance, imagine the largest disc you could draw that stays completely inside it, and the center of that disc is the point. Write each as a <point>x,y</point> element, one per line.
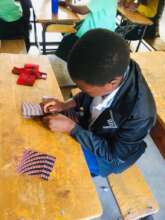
<point>17,29</point>
<point>115,166</point>
<point>66,45</point>
<point>98,166</point>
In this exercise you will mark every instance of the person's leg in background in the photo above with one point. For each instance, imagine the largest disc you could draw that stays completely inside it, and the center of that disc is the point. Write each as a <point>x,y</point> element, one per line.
<point>66,45</point>
<point>19,28</point>
<point>11,30</point>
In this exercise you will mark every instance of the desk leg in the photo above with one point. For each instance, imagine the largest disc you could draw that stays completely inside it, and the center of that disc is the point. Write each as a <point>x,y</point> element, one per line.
<point>35,28</point>
<point>44,39</point>
<point>142,36</point>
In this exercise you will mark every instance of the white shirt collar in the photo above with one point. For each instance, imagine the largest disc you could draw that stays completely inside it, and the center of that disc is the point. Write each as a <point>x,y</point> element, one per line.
<point>107,101</point>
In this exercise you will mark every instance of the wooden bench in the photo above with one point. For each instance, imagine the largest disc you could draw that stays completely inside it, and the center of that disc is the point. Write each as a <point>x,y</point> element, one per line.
<point>156,43</point>
<point>132,193</point>
<point>13,46</point>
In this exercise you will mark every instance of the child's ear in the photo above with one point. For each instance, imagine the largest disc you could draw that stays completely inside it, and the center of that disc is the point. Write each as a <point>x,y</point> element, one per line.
<point>116,82</point>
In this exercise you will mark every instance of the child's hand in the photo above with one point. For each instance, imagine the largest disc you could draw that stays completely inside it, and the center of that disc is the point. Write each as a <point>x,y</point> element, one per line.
<point>131,6</point>
<point>121,3</point>
<point>62,3</point>
<point>52,105</point>
<point>59,123</point>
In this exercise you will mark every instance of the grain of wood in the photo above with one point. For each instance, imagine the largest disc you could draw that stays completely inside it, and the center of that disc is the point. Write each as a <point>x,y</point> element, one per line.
<point>70,191</point>
<point>13,46</point>
<point>132,194</point>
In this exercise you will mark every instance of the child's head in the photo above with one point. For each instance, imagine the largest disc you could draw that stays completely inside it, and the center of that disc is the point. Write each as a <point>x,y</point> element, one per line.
<point>98,61</point>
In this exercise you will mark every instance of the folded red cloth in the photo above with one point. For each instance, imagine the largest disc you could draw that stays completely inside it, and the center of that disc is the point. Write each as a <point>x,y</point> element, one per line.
<point>28,74</point>
<point>26,79</point>
<point>17,70</point>
<point>31,66</point>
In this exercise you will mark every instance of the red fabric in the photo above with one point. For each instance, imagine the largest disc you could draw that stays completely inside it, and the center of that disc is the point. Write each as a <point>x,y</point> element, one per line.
<point>17,70</point>
<point>28,74</point>
<point>26,79</point>
<point>31,66</point>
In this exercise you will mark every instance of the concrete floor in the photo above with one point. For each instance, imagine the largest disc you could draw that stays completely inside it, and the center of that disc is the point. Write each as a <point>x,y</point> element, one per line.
<point>152,166</point>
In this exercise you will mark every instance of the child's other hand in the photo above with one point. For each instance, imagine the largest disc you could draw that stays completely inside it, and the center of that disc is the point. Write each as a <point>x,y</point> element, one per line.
<point>62,3</point>
<point>52,105</point>
<point>59,123</point>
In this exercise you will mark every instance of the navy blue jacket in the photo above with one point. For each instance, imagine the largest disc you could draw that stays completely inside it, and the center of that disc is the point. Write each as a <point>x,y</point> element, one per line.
<point>116,136</point>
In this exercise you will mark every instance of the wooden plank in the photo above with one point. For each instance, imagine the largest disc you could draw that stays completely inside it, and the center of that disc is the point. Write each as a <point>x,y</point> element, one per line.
<point>62,28</point>
<point>156,43</point>
<point>153,69</point>
<point>132,194</point>
<point>134,17</point>
<point>13,46</point>
<point>43,13</point>
<point>70,190</point>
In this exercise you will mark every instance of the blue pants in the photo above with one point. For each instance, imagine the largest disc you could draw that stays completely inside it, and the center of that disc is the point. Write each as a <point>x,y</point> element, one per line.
<point>116,166</point>
<point>91,162</point>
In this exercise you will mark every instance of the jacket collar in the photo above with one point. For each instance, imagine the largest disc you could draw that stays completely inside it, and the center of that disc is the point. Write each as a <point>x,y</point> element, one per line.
<point>125,99</point>
<point>127,95</point>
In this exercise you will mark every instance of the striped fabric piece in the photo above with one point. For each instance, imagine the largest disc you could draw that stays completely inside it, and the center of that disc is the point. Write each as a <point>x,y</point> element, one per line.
<point>35,164</point>
<point>31,110</point>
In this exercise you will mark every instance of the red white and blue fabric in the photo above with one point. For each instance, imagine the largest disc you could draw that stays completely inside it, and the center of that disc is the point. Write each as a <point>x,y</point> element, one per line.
<point>36,164</point>
<point>31,110</point>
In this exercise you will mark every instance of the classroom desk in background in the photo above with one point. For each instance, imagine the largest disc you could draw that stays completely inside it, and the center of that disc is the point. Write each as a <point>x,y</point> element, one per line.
<point>63,22</point>
<point>152,65</point>
<point>70,192</point>
<point>133,19</point>
<point>44,14</point>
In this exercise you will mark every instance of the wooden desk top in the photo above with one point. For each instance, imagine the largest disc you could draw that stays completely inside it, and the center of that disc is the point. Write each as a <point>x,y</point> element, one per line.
<point>43,13</point>
<point>134,17</point>
<point>153,69</point>
<point>13,46</point>
<point>70,192</point>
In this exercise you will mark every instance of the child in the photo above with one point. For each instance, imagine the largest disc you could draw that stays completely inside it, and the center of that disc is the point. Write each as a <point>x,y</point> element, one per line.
<point>99,14</point>
<point>14,20</point>
<point>116,107</point>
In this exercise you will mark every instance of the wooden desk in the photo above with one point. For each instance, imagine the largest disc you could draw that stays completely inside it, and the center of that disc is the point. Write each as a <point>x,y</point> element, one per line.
<point>43,13</point>
<point>13,46</point>
<point>134,19</point>
<point>153,69</point>
<point>70,193</point>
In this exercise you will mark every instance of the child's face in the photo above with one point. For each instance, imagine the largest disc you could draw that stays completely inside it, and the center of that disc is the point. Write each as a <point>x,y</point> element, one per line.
<point>99,90</point>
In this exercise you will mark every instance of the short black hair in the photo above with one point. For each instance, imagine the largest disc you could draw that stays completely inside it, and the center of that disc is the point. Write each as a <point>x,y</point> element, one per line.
<point>98,57</point>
